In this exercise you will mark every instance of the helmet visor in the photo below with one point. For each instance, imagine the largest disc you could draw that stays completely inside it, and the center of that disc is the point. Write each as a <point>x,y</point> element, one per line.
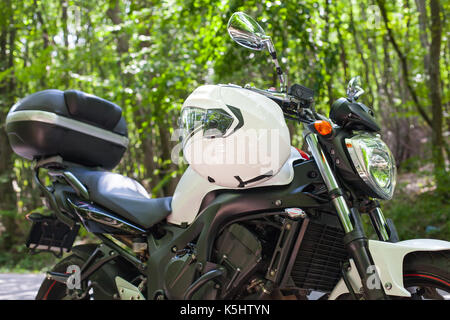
<point>213,122</point>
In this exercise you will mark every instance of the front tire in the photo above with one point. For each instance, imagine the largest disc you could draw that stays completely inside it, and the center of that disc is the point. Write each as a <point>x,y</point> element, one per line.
<point>426,275</point>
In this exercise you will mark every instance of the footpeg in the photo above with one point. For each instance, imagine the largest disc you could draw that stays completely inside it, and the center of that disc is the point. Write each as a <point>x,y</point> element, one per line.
<point>58,277</point>
<point>127,291</point>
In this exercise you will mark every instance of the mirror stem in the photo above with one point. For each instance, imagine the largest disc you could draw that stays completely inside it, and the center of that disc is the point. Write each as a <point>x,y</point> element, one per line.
<point>279,72</point>
<point>273,54</point>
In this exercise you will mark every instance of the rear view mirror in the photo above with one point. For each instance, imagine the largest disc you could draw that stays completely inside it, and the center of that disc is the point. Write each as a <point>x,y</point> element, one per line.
<point>247,32</point>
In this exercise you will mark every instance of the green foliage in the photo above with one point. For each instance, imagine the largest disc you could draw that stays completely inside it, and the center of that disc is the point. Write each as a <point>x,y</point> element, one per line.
<point>19,260</point>
<point>421,216</point>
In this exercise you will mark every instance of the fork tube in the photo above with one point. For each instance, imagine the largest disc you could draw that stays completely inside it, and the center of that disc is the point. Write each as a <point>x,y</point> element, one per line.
<point>354,239</point>
<point>379,223</point>
<point>330,181</point>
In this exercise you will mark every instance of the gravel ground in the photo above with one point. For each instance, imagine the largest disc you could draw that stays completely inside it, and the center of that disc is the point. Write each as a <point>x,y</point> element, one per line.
<point>19,286</point>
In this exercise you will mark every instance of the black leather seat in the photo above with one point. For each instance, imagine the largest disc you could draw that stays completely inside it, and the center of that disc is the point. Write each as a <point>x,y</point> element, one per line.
<point>123,196</point>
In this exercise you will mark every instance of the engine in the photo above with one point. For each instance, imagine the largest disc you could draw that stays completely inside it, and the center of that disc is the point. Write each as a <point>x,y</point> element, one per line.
<point>239,251</point>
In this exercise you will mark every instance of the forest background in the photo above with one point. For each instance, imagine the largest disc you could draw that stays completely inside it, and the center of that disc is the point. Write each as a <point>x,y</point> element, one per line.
<point>148,55</point>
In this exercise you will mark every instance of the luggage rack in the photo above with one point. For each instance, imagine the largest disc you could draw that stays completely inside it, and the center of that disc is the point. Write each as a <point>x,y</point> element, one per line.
<point>57,168</point>
<point>48,234</point>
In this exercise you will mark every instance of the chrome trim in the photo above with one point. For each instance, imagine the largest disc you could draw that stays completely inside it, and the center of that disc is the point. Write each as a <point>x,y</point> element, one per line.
<point>344,213</point>
<point>52,160</point>
<point>52,118</point>
<point>330,181</point>
<point>72,181</point>
<point>86,211</point>
<point>380,224</point>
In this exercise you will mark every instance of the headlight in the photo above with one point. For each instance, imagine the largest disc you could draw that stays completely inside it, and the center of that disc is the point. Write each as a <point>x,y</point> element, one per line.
<point>374,163</point>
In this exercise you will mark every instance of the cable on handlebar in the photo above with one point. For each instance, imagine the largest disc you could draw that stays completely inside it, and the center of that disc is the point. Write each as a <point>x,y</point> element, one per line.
<point>292,104</point>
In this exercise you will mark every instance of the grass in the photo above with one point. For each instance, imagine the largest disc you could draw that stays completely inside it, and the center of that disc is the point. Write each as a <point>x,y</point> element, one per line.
<point>26,263</point>
<point>18,259</point>
<point>426,215</point>
<point>418,209</point>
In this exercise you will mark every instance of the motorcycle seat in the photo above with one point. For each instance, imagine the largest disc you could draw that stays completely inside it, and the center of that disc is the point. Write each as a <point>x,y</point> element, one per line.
<point>123,196</point>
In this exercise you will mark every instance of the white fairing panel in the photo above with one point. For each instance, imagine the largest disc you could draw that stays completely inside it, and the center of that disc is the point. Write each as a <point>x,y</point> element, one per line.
<point>192,188</point>
<point>388,258</point>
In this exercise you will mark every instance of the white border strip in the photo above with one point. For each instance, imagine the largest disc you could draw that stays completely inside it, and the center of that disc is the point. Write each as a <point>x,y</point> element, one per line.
<point>52,118</point>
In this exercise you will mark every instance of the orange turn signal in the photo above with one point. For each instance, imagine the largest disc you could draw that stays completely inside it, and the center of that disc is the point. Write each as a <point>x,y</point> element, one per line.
<point>323,127</point>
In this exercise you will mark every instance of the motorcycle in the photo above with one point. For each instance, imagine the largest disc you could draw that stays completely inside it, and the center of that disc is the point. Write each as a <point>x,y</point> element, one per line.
<point>294,232</point>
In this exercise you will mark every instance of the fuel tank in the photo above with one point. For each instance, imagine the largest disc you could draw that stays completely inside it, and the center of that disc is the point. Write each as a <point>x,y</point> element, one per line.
<point>192,189</point>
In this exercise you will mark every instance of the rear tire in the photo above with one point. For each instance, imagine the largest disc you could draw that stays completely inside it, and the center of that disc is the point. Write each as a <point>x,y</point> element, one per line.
<point>53,290</point>
<point>102,280</point>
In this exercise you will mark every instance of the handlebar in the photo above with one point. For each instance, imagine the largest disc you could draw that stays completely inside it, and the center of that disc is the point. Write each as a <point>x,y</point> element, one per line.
<point>296,104</point>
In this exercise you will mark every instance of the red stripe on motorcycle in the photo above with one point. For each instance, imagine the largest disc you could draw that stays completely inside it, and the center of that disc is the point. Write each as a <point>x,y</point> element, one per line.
<point>303,154</point>
<point>48,291</point>
<point>427,276</point>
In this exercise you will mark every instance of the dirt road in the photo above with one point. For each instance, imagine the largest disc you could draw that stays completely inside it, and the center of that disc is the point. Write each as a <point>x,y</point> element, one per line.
<point>19,286</point>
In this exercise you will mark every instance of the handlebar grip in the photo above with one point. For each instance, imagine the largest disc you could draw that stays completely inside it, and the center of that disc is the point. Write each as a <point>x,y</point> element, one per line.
<point>283,103</point>
<point>300,92</point>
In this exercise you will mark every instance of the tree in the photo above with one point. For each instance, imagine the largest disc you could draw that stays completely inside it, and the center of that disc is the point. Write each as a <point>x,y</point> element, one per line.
<point>435,122</point>
<point>7,89</point>
<point>434,84</point>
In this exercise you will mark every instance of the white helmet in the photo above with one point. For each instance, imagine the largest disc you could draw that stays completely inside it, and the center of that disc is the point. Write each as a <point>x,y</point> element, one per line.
<point>232,136</point>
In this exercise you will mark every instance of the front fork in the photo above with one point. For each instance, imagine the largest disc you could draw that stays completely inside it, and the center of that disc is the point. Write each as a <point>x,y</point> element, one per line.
<point>355,239</point>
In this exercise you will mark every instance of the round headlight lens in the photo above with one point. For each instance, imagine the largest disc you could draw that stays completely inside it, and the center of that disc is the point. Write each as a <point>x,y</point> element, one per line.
<point>374,163</point>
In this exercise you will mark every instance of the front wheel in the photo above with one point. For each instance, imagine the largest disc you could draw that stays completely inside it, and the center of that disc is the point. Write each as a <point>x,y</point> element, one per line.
<point>426,275</point>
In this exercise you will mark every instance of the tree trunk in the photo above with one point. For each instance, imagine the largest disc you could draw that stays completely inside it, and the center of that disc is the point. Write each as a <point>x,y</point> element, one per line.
<point>404,64</point>
<point>423,24</point>
<point>113,13</point>
<point>361,54</point>
<point>8,197</point>
<point>45,36</point>
<point>65,50</point>
<point>166,149</point>
<point>434,84</point>
<point>343,53</point>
